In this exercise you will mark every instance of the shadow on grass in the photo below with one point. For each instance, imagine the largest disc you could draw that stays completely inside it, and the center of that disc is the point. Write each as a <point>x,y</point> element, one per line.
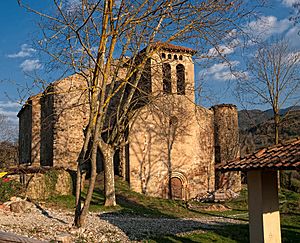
<point>290,234</point>
<point>225,232</point>
<point>221,215</point>
<point>179,230</point>
<point>166,229</point>
<point>134,208</point>
<point>290,227</point>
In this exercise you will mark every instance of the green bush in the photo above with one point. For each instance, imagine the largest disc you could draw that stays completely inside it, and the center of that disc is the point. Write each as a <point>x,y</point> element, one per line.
<point>295,185</point>
<point>9,189</point>
<point>290,180</point>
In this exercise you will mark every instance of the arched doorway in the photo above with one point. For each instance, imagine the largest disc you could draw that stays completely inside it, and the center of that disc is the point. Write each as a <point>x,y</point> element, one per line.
<point>176,185</point>
<point>176,188</point>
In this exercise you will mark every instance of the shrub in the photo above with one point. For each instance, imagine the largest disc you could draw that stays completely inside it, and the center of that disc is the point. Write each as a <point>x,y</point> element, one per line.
<point>295,185</point>
<point>290,180</point>
<point>9,188</point>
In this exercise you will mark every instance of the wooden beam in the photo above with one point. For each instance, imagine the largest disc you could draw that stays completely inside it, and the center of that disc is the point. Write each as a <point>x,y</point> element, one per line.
<point>10,237</point>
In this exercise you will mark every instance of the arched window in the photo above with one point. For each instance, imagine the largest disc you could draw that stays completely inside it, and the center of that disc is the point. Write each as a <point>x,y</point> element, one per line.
<point>173,121</point>
<point>163,55</point>
<point>167,87</point>
<point>180,79</point>
<point>169,56</point>
<point>180,57</point>
<point>175,57</point>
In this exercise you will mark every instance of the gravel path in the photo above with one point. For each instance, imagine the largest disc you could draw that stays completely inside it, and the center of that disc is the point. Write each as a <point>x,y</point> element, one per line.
<point>51,224</point>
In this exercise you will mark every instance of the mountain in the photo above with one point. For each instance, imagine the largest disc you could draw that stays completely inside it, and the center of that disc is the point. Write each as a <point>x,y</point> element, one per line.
<point>257,127</point>
<point>257,131</point>
<point>250,118</point>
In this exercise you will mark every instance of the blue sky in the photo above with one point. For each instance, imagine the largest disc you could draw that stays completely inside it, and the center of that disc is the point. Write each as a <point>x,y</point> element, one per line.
<point>18,57</point>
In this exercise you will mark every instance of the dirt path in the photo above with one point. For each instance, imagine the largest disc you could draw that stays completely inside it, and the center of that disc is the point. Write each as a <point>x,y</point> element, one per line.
<point>51,224</point>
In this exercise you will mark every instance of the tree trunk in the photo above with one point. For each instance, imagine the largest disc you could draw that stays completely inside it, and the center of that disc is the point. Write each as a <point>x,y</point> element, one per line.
<point>78,196</point>
<point>276,127</point>
<point>109,177</point>
<point>79,178</point>
<point>80,221</point>
<point>122,166</point>
<point>276,130</point>
<point>169,172</point>
<point>170,186</point>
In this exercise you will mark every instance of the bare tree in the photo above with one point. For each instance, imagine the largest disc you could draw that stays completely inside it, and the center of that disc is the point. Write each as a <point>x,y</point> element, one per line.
<point>7,129</point>
<point>93,38</point>
<point>8,145</point>
<point>295,17</point>
<point>274,79</point>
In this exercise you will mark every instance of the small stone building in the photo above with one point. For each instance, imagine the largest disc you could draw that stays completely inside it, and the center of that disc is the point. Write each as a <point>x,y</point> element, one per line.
<point>173,146</point>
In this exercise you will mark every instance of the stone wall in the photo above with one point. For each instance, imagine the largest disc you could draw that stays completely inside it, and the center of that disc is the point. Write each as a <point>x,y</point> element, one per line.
<point>171,138</point>
<point>173,144</point>
<point>25,134</point>
<point>157,73</point>
<point>47,123</point>
<point>51,183</point>
<point>71,116</point>
<point>30,131</point>
<point>36,130</point>
<point>226,144</point>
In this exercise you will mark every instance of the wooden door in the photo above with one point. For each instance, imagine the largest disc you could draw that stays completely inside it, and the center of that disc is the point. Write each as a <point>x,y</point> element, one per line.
<point>177,187</point>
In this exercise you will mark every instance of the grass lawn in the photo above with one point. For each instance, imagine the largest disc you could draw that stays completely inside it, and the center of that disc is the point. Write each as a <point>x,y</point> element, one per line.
<point>131,203</point>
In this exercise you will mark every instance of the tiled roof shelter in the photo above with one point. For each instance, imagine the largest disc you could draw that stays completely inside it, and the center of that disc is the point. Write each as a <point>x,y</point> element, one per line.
<point>262,171</point>
<point>283,156</point>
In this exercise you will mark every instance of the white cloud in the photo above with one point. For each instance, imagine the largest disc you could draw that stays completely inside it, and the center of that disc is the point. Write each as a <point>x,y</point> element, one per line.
<point>293,36</point>
<point>290,3</point>
<point>25,51</point>
<point>30,65</point>
<point>267,26</point>
<point>220,50</point>
<point>9,105</point>
<point>72,6</point>
<point>223,72</point>
<point>10,110</point>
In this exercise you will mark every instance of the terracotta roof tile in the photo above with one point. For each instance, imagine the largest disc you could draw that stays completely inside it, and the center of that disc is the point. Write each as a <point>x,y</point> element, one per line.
<point>285,155</point>
<point>171,47</point>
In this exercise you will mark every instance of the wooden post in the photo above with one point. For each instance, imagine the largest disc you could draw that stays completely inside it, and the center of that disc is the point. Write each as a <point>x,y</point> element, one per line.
<point>264,219</point>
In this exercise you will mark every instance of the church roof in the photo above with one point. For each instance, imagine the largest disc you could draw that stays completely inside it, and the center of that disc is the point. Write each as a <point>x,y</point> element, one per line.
<point>283,156</point>
<point>172,47</point>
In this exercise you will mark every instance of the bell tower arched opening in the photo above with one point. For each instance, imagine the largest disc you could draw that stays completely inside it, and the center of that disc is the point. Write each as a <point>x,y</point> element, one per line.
<point>167,79</point>
<point>180,73</point>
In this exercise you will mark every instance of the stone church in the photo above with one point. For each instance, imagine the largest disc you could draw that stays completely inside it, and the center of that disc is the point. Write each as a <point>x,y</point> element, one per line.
<point>173,144</point>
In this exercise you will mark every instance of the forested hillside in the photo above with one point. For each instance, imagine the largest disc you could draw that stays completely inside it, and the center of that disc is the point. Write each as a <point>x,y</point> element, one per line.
<point>256,128</point>
<point>257,131</point>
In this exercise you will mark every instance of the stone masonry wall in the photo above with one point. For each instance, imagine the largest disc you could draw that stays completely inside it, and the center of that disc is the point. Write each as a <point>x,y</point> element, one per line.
<point>25,124</point>
<point>36,131</point>
<point>172,138</point>
<point>226,144</point>
<point>47,124</point>
<point>71,117</point>
<point>45,185</point>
